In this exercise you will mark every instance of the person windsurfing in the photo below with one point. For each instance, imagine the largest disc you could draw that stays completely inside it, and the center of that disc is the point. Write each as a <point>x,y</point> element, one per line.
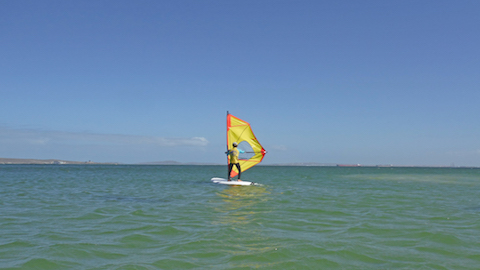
<point>234,152</point>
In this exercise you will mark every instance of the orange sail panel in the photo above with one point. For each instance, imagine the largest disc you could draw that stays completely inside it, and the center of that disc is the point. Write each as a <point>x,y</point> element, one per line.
<point>240,132</point>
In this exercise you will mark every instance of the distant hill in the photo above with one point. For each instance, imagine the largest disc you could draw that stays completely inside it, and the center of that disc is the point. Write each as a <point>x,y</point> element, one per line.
<point>59,162</point>
<point>171,162</point>
<point>44,161</point>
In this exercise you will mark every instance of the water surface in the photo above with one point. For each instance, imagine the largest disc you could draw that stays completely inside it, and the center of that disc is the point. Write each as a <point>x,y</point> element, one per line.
<point>172,217</point>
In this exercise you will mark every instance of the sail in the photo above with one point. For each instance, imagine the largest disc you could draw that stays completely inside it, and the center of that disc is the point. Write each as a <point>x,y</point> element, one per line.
<point>240,132</point>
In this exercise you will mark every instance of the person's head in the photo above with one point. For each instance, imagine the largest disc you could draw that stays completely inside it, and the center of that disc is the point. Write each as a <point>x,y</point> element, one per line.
<point>235,144</point>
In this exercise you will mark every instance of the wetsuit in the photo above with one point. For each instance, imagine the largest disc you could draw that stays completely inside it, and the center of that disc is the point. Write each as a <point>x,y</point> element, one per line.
<point>234,161</point>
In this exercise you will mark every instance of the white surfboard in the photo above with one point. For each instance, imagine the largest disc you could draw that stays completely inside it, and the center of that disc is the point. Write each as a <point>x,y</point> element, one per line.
<point>223,181</point>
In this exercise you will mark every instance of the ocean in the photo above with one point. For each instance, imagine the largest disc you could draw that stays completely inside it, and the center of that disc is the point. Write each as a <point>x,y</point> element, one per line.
<point>173,217</point>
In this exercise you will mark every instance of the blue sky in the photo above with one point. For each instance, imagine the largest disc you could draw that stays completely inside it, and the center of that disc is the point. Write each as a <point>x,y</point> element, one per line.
<point>368,82</point>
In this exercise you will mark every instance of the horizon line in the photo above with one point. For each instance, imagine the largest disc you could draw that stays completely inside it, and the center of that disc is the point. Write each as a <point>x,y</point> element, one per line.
<point>31,161</point>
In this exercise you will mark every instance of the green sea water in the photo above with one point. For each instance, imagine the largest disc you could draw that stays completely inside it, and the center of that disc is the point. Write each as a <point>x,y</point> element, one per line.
<point>173,217</point>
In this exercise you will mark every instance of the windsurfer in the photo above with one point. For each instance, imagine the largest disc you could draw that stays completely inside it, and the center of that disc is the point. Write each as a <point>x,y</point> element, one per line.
<point>234,152</point>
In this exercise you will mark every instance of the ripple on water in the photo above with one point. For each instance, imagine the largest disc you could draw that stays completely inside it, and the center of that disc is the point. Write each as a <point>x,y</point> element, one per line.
<point>154,217</point>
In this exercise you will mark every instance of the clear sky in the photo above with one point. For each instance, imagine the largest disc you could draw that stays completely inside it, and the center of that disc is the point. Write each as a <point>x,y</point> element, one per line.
<point>369,82</point>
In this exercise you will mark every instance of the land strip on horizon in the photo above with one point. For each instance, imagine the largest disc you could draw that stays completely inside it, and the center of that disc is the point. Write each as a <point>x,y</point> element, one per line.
<point>19,161</point>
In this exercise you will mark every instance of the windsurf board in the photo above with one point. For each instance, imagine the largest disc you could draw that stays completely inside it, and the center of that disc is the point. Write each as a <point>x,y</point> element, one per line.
<point>223,181</point>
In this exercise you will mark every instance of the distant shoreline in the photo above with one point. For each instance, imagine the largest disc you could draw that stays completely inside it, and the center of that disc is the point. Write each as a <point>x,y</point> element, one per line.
<point>27,161</point>
<point>21,161</point>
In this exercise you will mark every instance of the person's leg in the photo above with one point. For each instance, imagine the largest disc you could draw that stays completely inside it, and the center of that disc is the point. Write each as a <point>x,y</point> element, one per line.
<point>239,171</point>
<point>230,167</point>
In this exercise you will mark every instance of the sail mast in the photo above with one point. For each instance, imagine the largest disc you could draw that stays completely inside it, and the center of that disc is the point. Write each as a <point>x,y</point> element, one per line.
<point>228,160</point>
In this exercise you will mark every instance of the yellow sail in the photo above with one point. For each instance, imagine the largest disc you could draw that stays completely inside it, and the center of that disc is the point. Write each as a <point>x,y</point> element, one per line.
<point>240,132</point>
